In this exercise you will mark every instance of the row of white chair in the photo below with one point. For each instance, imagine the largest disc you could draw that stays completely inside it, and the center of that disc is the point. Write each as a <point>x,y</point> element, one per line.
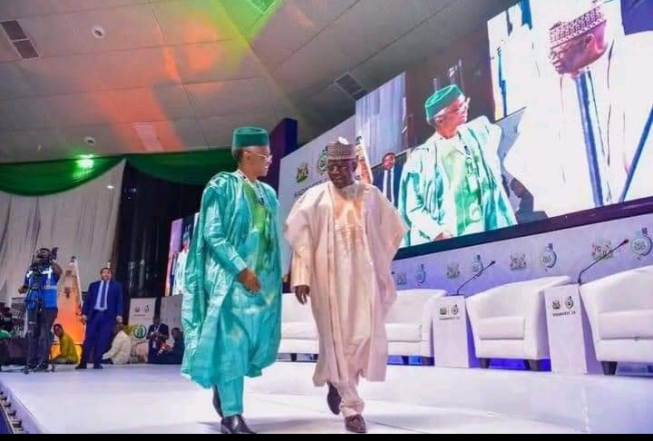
<point>509,321</point>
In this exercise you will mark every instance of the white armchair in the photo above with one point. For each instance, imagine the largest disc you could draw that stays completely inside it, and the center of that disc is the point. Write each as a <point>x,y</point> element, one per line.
<point>298,329</point>
<point>620,312</point>
<point>509,322</point>
<point>409,323</point>
<point>408,326</point>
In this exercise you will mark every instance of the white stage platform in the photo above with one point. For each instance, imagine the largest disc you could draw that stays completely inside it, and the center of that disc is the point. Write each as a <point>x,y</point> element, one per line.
<point>151,399</point>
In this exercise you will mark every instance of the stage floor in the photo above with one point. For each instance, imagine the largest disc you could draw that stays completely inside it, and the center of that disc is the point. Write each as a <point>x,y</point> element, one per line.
<point>152,399</point>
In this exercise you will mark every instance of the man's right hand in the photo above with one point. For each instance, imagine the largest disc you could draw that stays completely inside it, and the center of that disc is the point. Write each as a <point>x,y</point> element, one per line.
<point>302,293</point>
<point>22,289</point>
<point>250,281</point>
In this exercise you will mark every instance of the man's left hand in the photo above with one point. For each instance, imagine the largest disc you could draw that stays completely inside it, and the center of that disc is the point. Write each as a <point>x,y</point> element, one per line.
<point>57,269</point>
<point>119,320</point>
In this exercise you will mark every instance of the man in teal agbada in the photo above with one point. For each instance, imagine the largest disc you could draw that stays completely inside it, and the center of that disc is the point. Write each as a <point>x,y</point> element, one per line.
<point>452,183</point>
<point>232,305</point>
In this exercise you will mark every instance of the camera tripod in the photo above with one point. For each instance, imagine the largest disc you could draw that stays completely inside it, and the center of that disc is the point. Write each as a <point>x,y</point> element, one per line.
<point>34,326</point>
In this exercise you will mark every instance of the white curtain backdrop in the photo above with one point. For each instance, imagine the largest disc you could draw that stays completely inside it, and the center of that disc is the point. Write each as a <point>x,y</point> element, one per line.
<point>81,222</point>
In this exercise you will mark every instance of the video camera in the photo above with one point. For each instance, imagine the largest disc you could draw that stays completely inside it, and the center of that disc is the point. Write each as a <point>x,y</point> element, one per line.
<point>42,260</point>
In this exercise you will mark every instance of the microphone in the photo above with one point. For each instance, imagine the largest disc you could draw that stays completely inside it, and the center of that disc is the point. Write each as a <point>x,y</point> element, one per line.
<point>580,275</point>
<point>475,276</point>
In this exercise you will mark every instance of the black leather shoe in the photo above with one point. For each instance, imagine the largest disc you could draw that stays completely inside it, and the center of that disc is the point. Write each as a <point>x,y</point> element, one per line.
<point>98,367</point>
<point>43,367</point>
<point>235,425</point>
<point>217,404</point>
<point>81,367</point>
<point>334,400</point>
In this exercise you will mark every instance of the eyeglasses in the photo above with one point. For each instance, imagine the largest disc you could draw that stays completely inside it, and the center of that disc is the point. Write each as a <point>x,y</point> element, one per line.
<point>266,158</point>
<point>464,105</point>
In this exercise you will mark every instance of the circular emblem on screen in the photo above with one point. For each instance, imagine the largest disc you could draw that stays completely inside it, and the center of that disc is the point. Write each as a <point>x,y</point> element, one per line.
<point>477,265</point>
<point>642,244</point>
<point>420,276</point>
<point>548,258</point>
<point>140,332</point>
<point>322,162</point>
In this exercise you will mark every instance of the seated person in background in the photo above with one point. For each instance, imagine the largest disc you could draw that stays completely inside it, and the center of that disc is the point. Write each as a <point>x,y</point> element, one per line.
<point>6,320</point>
<point>121,348</point>
<point>174,354</point>
<point>157,335</point>
<point>67,350</point>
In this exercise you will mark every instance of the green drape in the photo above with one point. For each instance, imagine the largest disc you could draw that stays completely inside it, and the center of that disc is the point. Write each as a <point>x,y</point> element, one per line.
<point>50,177</point>
<point>191,168</point>
<point>44,178</point>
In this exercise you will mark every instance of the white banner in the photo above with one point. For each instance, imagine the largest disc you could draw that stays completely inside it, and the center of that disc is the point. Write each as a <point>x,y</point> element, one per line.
<point>304,169</point>
<point>141,315</point>
<point>171,311</point>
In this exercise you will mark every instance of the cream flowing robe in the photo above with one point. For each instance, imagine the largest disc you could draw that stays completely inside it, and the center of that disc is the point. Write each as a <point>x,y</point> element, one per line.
<point>343,245</point>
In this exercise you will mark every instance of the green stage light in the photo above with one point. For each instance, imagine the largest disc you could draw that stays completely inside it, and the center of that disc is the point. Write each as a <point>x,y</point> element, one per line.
<point>86,162</point>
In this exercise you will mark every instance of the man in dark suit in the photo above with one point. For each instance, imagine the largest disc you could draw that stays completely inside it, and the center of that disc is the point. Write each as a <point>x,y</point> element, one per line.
<point>102,310</point>
<point>157,334</point>
<point>388,177</point>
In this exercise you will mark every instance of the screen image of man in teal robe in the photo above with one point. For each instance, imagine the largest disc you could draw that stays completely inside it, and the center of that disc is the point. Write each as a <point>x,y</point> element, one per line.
<point>231,310</point>
<point>452,183</point>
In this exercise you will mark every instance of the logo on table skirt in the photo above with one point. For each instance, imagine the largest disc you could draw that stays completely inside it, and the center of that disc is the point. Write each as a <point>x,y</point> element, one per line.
<point>477,264</point>
<point>140,332</point>
<point>601,250</point>
<point>302,173</point>
<point>556,305</point>
<point>642,244</point>
<point>322,162</point>
<point>147,308</point>
<point>420,275</point>
<point>443,311</point>
<point>548,258</point>
<point>137,309</point>
<point>569,303</point>
<point>400,279</point>
<point>518,262</point>
<point>453,271</point>
<point>455,310</point>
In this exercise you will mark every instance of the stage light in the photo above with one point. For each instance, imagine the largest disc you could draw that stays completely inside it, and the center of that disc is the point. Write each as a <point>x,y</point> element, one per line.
<point>86,162</point>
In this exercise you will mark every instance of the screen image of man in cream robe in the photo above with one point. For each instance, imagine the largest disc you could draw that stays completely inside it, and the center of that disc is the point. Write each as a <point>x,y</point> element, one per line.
<point>587,117</point>
<point>452,184</point>
<point>344,235</point>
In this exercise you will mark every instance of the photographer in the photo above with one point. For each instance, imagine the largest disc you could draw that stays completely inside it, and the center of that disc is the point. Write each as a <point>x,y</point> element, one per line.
<point>41,302</point>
